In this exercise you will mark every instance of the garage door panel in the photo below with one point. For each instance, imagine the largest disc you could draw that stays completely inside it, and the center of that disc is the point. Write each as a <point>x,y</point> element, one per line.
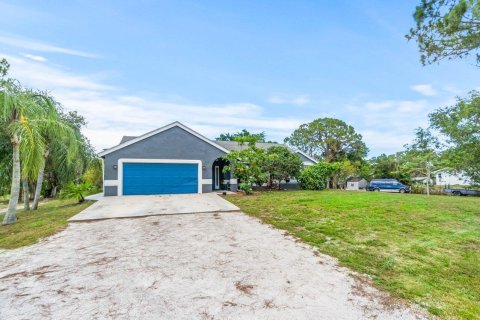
<point>159,178</point>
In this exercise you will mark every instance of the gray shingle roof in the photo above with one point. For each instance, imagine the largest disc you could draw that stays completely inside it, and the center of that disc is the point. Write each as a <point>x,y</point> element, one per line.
<point>126,138</point>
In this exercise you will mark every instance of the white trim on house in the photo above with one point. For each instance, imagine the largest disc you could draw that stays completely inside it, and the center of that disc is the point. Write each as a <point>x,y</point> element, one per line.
<point>110,183</point>
<point>103,175</point>
<point>216,177</point>
<point>206,181</point>
<point>154,132</point>
<point>126,160</point>
<point>307,156</point>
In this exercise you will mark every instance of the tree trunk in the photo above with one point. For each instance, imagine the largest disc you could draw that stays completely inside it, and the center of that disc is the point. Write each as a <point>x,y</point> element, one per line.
<point>54,192</point>
<point>31,186</point>
<point>26,197</point>
<point>38,188</point>
<point>11,215</point>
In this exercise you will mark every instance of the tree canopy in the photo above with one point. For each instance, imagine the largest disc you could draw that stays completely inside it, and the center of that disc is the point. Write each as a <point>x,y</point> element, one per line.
<point>242,137</point>
<point>247,165</point>
<point>329,139</point>
<point>282,164</point>
<point>460,125</point>
<point>446,29</point>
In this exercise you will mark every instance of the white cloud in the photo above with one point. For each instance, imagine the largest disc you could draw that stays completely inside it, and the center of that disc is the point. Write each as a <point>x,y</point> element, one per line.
<point>388,141</point>
<point>388,125</point>
<point>111,113</point>
<point>33,45</point>
<point>281,99</point>
<point>385,107</point>
<point>34,57</point>
<point>41,75</point>
<point>425,89</point>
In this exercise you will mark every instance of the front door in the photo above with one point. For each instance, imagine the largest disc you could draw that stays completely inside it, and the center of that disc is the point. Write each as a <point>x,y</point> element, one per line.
<point>217,177</point>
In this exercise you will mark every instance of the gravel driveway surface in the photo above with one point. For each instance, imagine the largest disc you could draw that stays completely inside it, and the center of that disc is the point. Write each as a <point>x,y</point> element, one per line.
<point>198,266</point>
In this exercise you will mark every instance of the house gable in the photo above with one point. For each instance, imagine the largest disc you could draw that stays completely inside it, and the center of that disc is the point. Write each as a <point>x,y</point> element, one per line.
<point>147,135</point>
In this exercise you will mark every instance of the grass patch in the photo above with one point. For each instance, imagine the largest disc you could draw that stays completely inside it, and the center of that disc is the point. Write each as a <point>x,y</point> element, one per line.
<point>32,226</point>
<point>425,249</point>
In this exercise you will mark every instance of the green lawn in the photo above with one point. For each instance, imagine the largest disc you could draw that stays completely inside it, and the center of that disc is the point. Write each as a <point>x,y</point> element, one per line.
<point>31,226</point>
<point>426,249</point>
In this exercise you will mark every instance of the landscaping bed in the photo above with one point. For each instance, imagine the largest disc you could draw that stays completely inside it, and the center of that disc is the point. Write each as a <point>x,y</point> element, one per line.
<point>425,249</point>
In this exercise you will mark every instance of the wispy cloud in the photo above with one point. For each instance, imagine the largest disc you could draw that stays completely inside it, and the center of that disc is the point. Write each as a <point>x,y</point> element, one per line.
<point>34,45</point>
<point>388,125</point>
<point>45,76</point>
<point>282,99</point>
<point>111,113</point>
<point>34,57</point>
<point>425,89</point>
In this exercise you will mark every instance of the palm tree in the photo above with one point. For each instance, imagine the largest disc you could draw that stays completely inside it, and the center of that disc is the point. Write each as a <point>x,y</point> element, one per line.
<point>61,138</point>
<point>24,114</point>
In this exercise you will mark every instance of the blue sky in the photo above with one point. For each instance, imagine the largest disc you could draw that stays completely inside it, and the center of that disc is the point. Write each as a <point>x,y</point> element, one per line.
<point>220,66</point>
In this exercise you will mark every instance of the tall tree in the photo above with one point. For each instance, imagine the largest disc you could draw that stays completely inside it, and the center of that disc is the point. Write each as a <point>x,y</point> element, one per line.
<point>423,154</point>
<point>446,29</point>
<point>5,163</point>
<point>58,135</point>
<point>23,117</point>
<point>329,139</point>
<point>460,125</point>
<point>4,67</point>
<point>58,170</point>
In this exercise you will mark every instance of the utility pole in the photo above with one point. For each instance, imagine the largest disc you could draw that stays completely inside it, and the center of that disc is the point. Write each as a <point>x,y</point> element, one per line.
<point>428,177</point>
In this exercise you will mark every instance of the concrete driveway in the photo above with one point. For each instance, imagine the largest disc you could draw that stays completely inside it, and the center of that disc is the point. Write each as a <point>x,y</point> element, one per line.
<point>189,266</point>
<point>143,206</point>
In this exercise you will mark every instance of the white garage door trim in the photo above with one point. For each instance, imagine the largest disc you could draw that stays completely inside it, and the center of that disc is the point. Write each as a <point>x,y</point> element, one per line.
<point>122,161</point>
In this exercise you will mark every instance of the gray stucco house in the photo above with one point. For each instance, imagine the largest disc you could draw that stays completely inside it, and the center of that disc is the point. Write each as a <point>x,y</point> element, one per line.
<point>171,159</point>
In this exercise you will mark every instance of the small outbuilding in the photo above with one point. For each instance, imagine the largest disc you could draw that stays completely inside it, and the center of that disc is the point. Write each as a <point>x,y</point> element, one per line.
<point>356,183</point>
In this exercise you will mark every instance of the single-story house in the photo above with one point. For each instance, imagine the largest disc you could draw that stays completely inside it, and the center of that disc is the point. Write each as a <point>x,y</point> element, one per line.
<point>445,178</point>
<point>169,160</point>
<point>356,183</point>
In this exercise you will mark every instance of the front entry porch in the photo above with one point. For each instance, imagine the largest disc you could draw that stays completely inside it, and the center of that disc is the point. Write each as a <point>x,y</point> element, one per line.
<point>220,179</point>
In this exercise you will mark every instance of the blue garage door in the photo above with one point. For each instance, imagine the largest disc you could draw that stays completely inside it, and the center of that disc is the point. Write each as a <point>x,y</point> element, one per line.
<point>159,178</point>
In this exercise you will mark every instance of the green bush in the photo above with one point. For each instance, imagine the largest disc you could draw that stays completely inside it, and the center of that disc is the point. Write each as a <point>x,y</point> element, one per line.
<point>73,190</point>
<point>93,174</point>
<point>315,177</point>
<point>246,187</point>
